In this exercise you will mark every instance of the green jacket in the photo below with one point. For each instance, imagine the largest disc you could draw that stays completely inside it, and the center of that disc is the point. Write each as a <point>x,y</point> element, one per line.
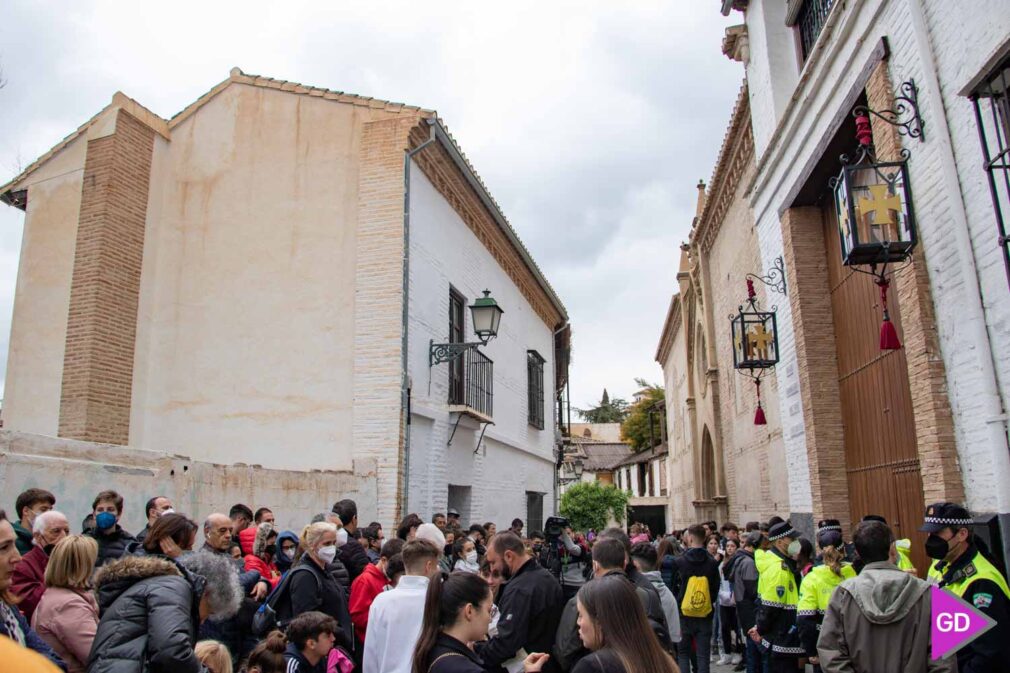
<point>23,538</point>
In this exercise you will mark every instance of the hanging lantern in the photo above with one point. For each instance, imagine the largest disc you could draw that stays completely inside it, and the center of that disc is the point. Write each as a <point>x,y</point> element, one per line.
<point>876,223</point>
<point>755,344</point>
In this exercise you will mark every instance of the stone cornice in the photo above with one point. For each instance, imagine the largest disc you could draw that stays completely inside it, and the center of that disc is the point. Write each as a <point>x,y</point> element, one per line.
<point>670,329</point>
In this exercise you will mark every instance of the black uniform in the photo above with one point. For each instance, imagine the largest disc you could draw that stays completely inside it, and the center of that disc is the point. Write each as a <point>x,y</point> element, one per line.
<point>530,607</point>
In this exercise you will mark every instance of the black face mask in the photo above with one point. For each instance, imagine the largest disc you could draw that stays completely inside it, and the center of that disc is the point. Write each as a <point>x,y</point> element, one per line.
<point>48,549</point>
<point>270,549</point>
<point>936,547</point>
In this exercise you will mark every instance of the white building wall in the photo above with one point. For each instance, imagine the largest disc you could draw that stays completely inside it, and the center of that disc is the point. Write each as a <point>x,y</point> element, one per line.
<point>515,457</point>
<point>954,212</point>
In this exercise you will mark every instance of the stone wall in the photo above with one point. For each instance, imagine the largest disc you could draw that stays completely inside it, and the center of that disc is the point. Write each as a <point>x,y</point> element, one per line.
<point>76,471</point>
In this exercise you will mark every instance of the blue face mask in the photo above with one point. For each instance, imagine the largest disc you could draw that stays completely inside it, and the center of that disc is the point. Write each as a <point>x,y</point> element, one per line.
<point>105,520</point>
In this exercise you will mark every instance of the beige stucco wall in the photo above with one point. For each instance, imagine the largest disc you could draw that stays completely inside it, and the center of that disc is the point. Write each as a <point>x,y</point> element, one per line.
<point>246,323</point>
<point>42,296</point>
<point>680,462</point>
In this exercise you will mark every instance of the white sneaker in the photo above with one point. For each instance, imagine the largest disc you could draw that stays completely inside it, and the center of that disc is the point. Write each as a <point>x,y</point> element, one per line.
<point>736,659</point>
<point>724,660</point>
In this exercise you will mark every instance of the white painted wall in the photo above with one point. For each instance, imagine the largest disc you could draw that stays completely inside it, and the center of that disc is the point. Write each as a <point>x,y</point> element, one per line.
<point>515,456</point>
<point>966,274</point>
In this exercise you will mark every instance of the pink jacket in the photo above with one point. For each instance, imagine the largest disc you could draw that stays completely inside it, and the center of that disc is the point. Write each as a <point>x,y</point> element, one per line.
<point>67,620</point>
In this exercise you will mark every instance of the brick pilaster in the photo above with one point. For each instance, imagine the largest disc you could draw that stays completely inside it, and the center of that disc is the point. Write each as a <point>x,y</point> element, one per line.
<point>817,362</point>
<point>105,287</point>
<point>378,307</point>
<point>934,424</point>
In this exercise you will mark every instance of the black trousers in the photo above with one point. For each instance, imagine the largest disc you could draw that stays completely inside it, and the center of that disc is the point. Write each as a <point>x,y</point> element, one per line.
<point>784,664</point>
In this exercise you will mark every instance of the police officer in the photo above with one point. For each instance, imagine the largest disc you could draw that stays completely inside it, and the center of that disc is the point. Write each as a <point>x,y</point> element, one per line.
<point>819,584</point>
<point>778,589</point>
<point>961,568</point>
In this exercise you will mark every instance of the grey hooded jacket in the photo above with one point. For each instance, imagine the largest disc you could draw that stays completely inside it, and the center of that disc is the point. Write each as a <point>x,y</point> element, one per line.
<point>879,621</point>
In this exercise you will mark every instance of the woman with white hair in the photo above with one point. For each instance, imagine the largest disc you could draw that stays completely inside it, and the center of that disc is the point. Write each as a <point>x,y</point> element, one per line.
<point>313,587</point>
<point>152,607</point>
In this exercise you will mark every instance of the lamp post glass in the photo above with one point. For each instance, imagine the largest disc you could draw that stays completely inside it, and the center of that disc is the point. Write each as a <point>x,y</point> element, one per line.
<point>873,203</point>
<point>577,466</point>
<point>486,316</point>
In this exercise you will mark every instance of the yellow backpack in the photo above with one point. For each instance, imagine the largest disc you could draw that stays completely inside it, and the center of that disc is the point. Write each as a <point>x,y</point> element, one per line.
<point>697,599</point>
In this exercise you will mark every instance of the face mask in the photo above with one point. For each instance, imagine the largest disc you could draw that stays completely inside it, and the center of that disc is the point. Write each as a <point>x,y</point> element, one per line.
<point>794,548</point>
<point>936,547</point>
<point>270,549</point>
<point>287,554</point>
<point>471,558</point>
<point>105,520</point>
<point>167,511</point>
<point>341,537</point>
<point>327,554</point>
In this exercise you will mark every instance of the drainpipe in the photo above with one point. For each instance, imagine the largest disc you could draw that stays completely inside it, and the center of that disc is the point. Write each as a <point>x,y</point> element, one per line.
<point>554,413</point>
<point>973,316</point>
<point>404,365</point>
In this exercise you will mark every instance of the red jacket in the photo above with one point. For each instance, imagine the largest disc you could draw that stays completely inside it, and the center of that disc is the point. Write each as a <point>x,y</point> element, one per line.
<point>29,580</point>
<point>268,572</point>
<point>365,587</point>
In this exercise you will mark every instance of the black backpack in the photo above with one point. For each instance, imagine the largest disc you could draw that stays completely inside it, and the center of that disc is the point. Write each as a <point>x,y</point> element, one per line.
<point>276,611</point>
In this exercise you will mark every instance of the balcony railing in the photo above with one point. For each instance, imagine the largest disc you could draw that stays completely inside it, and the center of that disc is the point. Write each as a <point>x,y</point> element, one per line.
<point>474,388</point>
<point>810,21</point>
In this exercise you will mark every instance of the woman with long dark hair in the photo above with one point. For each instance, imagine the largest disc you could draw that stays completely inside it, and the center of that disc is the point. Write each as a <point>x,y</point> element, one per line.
<point>170,537</point>
<point>457,611</point>
<point>612,623</point>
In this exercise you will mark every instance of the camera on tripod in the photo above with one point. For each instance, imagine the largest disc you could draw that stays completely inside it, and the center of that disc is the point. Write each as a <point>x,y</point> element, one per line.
<point>555,527</point>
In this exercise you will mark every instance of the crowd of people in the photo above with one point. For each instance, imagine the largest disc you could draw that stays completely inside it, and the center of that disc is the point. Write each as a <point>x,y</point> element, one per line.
<point>441,597</point>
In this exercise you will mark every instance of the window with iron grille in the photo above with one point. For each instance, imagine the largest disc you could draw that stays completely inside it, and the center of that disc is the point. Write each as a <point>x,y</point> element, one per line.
<point>991,100</point>
<point>534,511</point>
<point>457,334</point>
<point>535,388</point>
<point>810,21</point>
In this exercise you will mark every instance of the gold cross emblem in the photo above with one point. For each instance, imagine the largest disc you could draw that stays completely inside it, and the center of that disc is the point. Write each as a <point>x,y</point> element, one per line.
<point>760,340</point>
<point>881,204</point>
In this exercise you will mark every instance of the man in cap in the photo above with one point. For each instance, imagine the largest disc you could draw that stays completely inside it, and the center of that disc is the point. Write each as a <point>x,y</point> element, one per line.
<point>778,589</point>
<point>961,568</point>
<point>452,514</point>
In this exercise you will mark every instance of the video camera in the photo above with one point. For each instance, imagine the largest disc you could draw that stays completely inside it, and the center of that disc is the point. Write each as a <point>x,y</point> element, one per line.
<point>555,527</point>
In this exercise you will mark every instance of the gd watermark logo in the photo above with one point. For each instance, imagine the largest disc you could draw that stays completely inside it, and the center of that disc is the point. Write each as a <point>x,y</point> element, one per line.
<point>955,623</point>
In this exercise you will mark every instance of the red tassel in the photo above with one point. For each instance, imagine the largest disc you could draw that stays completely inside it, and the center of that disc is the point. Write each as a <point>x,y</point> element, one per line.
<point>888,334</point>
<point>759,415</point>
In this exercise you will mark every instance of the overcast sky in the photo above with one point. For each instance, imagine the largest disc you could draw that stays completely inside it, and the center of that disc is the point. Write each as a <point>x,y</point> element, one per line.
<point>590,122</point>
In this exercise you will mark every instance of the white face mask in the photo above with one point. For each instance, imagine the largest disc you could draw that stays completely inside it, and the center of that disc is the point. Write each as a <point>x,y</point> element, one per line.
<point>167,511</point>
<point>328,553</point>
<point>471,558</point>
<point>341,537</point>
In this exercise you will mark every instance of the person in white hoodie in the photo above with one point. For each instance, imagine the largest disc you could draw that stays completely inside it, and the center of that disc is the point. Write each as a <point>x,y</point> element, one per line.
<point>394,620</point>
<point>646,559</point>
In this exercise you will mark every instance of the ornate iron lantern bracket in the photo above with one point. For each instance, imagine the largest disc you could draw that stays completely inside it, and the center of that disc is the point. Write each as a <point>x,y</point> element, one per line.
<point>905,115</point>
<point>775,278</point>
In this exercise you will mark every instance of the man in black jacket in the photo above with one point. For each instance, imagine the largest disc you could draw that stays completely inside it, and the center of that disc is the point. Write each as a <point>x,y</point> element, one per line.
<point>530,604</point>
<point>609,560</point>
<point>111,537</point>
<point>695,562</point>
<point>744,578</point>
<point>352,554</point>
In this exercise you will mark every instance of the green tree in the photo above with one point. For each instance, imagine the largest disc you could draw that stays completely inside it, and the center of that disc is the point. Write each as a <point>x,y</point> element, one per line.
<point>591,505</point>
<point>606,411</point>
<point>635,429</point>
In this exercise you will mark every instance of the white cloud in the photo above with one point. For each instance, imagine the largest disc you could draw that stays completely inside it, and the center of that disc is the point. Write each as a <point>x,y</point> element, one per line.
<point>591,122</point>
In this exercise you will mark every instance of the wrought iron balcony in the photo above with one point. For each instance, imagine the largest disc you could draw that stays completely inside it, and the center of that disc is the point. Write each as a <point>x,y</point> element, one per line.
<point>471,384</point>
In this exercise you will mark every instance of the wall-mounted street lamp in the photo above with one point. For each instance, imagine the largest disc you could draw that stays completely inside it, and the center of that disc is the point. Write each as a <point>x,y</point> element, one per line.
<point>755,337</point>
<point>486,316</point>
